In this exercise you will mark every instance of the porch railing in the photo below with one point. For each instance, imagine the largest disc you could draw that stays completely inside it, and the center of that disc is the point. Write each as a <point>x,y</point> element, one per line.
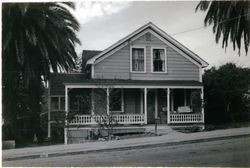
<point>119,118</point>
<point>186,118</point>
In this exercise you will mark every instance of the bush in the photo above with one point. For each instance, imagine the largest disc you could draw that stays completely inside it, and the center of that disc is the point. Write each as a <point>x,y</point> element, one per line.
<point>225,92</point>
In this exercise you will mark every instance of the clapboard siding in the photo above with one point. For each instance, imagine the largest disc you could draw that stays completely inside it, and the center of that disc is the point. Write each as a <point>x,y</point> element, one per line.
<point>117,66</point>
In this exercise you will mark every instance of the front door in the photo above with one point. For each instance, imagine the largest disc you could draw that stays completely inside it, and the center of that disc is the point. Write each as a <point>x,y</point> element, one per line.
<point>151,107</point>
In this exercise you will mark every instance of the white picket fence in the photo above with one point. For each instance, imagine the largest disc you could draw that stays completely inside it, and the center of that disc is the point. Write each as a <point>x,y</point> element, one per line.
<point>119,118</point>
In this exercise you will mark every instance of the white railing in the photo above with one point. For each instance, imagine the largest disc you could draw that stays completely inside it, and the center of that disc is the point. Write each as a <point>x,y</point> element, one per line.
<point>119,118</point>
<point>186,118</point>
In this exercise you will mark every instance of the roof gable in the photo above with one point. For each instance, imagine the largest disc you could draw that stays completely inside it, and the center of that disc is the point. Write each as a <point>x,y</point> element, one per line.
<point>150,27</point>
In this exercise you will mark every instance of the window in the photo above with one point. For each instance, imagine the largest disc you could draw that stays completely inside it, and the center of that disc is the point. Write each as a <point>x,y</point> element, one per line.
<point>57,103</point>
<point>138,60</point>
<point>159,60</point>
<point>116,100</point>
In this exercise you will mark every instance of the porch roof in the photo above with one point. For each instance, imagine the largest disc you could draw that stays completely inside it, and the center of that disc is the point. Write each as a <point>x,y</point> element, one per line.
<point>136,83</point>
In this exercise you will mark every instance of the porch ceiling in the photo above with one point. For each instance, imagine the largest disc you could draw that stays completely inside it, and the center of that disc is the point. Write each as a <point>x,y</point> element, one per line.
<point>137,83</point>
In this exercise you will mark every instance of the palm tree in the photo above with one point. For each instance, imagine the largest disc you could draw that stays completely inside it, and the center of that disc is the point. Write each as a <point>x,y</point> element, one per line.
<point>229,19</point>
<point>37,38</point>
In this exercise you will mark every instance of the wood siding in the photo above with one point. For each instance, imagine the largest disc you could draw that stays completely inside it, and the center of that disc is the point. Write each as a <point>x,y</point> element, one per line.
<point>117,66</point>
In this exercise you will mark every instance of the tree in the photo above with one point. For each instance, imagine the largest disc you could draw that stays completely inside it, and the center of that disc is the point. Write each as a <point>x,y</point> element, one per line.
<point>224,91</point>
<point>37,38</point>
<point>229,18</point>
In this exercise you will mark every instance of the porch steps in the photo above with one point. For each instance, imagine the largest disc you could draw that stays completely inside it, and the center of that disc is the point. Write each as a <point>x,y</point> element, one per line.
<point>162,129</point>
<point>128,130</point>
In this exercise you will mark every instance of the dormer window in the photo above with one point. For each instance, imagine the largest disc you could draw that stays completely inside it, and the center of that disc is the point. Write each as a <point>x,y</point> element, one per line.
<point>159,60</point>
<point>138,59</point>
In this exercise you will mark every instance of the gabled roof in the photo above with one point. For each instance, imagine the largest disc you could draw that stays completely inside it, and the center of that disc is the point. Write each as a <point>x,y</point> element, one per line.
<point>87,54</point>
<point>150,26</point>
<point>57,79</point>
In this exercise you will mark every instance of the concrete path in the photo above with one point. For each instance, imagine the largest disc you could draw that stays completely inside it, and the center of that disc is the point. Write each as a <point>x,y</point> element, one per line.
<point>170,138</point>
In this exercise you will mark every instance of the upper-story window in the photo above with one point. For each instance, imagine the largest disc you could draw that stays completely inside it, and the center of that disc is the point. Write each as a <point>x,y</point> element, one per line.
<point>159,60</point>
<point>138,59</point>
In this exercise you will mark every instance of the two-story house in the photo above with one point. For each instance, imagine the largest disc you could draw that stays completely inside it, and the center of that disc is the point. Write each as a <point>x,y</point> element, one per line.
<point>144,76</point>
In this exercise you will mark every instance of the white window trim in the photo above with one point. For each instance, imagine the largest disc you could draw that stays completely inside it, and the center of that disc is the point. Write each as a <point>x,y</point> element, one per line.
<point>59,102</point>
<point>152,63</point>
<point>144,49</point>
<point>122,103</point>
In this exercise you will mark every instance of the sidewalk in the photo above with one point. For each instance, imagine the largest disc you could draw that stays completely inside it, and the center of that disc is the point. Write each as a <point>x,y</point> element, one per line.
<point>170,137</point>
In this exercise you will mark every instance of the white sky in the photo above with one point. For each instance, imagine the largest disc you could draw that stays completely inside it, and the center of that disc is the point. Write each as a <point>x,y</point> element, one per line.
<point>103,23</point>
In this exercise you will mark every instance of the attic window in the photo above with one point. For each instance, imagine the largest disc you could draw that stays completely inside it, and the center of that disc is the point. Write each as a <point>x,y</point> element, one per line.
<point>159,60</point>
<point>148,37</point>
<point>138,59</point>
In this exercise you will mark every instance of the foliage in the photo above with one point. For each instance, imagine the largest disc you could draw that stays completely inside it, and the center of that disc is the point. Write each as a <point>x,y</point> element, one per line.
<point>229,19</point>
<point>224,90</point>
<point>196,101</point>
<point>106,121</point>
<point>37,38</point>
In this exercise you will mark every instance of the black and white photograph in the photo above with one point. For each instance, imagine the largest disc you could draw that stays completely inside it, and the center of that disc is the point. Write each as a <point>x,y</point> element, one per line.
<point>127,83</point>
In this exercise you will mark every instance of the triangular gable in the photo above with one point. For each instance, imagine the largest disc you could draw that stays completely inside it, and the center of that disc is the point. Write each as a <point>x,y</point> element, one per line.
<point>150,27</point>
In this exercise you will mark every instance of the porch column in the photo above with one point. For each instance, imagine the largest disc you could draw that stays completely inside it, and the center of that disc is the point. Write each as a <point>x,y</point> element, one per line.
<point>202,108</point>
<point>92,101</point>
<point>185,97</point>
<point>145,106</point>
<point>141,100</point>
<point>172,100</point>
<point>156,103</point>
<point>168,104</point>
<point>107,91</point>
<point>66,114</point>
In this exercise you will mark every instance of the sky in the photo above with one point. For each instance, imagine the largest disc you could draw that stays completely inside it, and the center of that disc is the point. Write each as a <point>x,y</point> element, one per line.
<point>103,23</point>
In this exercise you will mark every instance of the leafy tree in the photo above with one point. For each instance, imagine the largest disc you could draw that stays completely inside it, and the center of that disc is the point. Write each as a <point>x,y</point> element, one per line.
<point>224,91</point>
<point>37,38</point>
<point>229,18</point>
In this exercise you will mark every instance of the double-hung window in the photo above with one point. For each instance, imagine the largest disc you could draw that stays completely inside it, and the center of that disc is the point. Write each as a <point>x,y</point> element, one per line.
<point>116,100</point>
<point>57,103</point>
<point>159,60</point>
<point>138,59</point>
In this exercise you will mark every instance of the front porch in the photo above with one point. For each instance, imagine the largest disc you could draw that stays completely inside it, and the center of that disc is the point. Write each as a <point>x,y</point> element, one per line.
<point>133,105</point>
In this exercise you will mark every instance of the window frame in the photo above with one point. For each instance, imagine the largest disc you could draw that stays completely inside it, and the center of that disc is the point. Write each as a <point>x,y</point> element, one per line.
<point>152,59</point>
<point>131,56</point>
<point>122,102</point>
<point>59,102</point>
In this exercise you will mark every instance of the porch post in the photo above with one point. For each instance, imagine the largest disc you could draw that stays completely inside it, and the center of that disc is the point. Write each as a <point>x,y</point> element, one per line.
<point>141,99</point>
<point>66,114</point>
<point>92,101</point>
<point>185,97</point>
<point>202,108</point>
<point>107,100</point>
<point>156,103</point>
<point>145,106</point>
<point>168,104</point>
<point>172,101</point>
